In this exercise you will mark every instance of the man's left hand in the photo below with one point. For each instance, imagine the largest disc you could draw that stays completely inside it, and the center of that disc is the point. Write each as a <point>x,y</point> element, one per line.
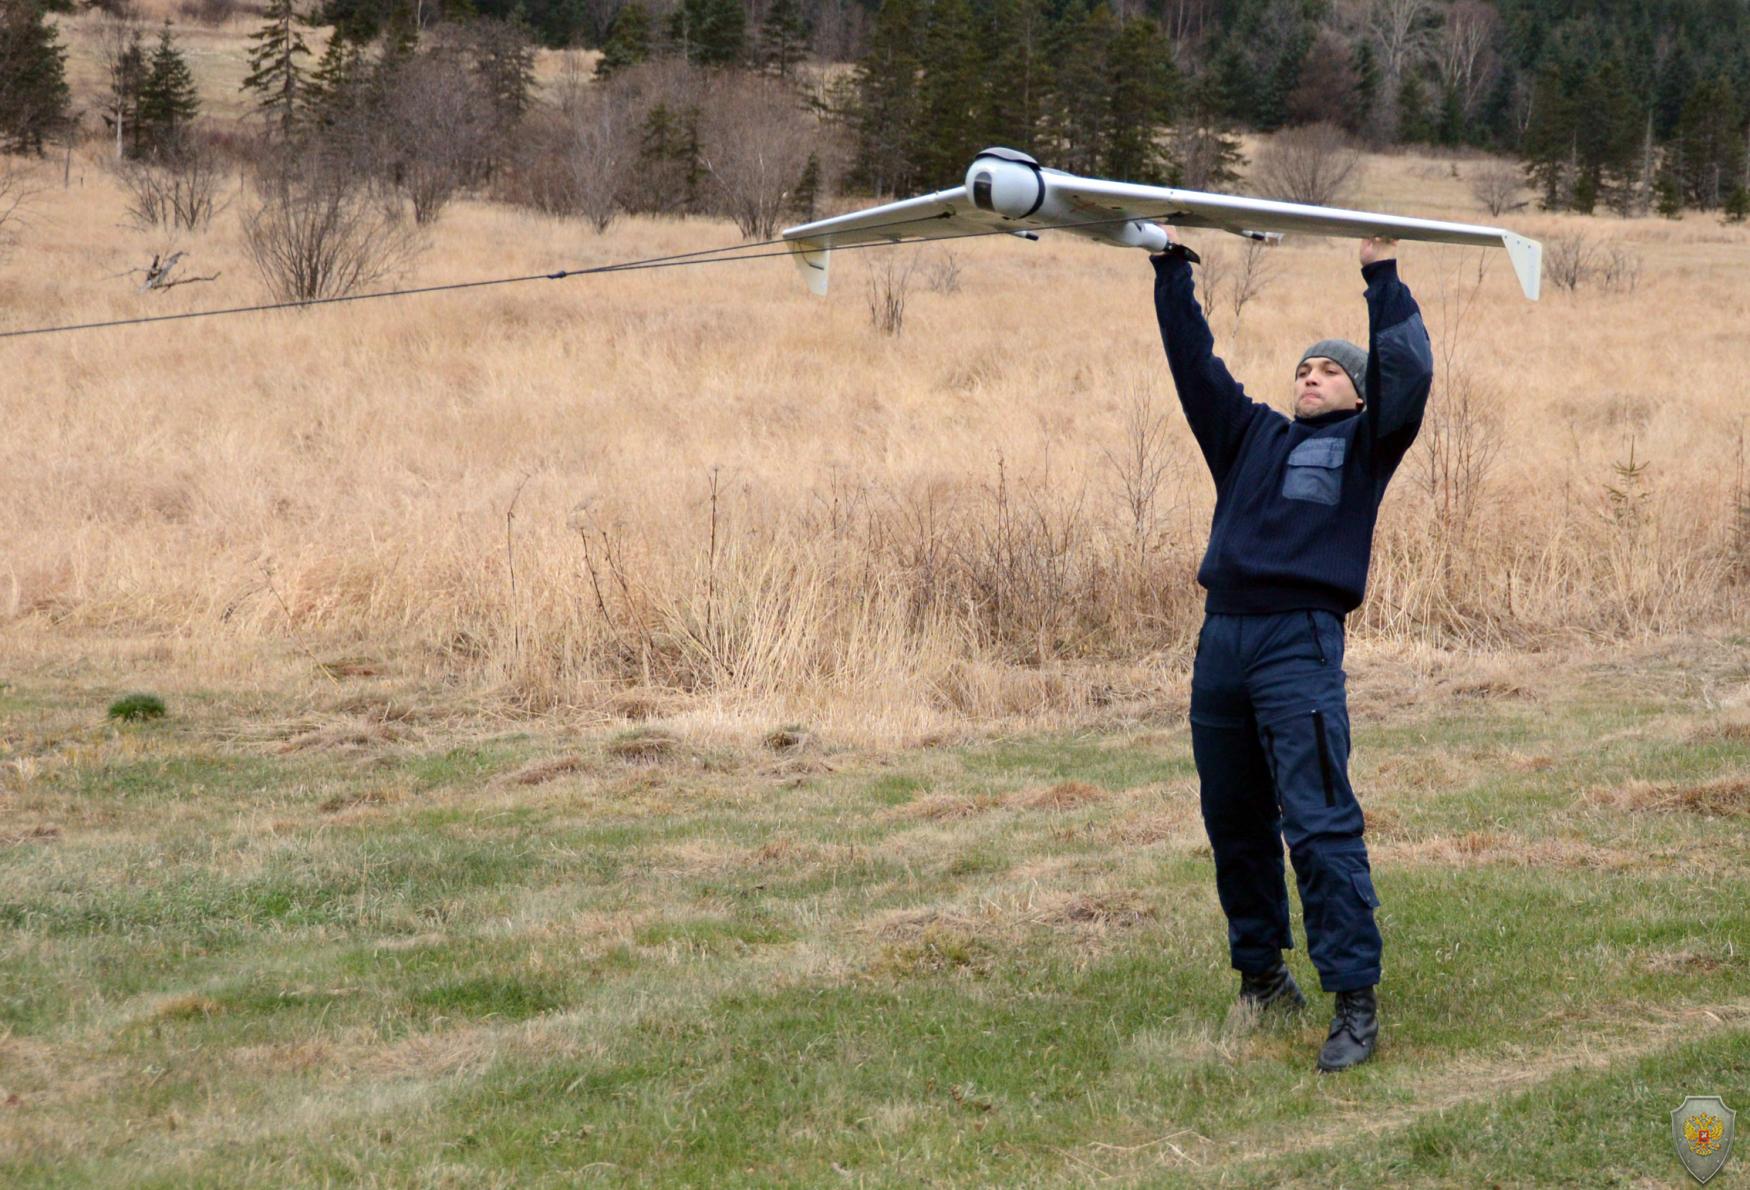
<point>1377,248</point>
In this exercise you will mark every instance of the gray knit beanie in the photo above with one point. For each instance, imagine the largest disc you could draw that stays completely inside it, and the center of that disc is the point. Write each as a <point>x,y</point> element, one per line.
<point>1349,357</point>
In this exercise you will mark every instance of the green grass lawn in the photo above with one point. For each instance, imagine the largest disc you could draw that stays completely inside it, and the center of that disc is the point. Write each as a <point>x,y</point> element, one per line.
<point>375,947</point>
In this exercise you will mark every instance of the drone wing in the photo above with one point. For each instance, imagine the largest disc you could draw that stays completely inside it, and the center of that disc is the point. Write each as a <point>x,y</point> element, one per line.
<point>1008,191</point>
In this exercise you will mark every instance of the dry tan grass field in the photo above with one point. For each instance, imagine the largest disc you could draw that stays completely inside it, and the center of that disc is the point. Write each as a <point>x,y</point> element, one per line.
<point>705,487</point>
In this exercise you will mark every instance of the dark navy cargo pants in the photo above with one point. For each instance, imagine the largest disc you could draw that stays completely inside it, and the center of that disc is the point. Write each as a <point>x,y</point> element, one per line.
<point>1270,733</point>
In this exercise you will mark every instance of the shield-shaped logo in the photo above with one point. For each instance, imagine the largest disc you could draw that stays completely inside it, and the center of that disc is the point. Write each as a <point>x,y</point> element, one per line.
<point>1702,1129</point>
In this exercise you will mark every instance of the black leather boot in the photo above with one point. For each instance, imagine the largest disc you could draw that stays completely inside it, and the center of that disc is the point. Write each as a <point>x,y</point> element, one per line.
<point>1271,990</point>
<point>1354,1031</point>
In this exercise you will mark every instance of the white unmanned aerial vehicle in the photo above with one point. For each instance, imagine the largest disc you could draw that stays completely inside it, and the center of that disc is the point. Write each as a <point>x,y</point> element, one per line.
<point>1006,190</point>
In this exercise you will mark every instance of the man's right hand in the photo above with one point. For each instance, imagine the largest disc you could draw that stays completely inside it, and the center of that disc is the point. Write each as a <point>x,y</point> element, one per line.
<point>1176,246</point>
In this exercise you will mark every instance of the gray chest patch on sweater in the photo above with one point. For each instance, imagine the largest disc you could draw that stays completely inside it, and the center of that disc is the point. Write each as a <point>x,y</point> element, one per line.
<point>1315,471</point>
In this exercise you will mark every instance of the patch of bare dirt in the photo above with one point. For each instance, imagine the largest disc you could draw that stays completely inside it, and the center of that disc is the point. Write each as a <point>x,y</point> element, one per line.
<point>1732,732</point>
<point>1493,847</point>
<point>1120,909</point>
<point>35,834</point>
<point>353,799</point>
<point>1065,795</point>
<point>540,772</point>
<point>351,735</point>
<point>1676,962</point>
<point>944,807</point>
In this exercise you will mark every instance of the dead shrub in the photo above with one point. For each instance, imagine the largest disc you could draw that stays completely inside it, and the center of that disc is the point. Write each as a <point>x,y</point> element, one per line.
<point>318,232</point>
<point>888,288</point>
<point>1499,186</point>
<point>1316,164</point>
<point>16,190</point>
<point>943,274</point>
<point>1568,260</point>
<point>577,158</point>
<point>758,141</point>
<point>433,130</point>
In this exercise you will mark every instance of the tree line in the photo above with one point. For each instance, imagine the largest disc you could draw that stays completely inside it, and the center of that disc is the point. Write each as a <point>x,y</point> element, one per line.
<point>1611,104</point>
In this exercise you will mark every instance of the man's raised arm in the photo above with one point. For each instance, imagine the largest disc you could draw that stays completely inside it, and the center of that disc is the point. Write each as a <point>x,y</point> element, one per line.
<point>1400,360</point>
<point>1215,405</point>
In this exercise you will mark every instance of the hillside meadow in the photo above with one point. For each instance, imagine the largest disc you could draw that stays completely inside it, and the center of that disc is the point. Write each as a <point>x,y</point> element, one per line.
<point>705,486</point>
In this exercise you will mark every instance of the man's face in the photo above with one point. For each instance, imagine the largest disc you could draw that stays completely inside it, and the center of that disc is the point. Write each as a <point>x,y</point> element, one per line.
<point>1321,386</point>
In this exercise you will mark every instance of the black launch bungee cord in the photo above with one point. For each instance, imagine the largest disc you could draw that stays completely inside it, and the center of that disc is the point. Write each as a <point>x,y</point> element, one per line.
<point>730,252</point>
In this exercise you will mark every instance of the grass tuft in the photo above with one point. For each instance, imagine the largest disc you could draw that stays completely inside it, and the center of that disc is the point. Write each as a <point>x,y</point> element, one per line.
<point>789,738</point>
<point>136,708</point>
<point>643,745</point>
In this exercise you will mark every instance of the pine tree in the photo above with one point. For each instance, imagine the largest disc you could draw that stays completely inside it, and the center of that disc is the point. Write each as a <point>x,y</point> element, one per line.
<point>1368,84</point>
<point>710,32</point>
<point>628,41</point>
<point>337,85</point>
<point>1668,193</point>
<point>949,91</point>
<point>1019,74</point>
<point>168,99</point>
<point>1230,86</point>
<point>504,64</point>
<point>1737,205</point>
<point>1079,111</point>
<point>33,77</point>
<point>1451,127</point>
<point>670,160</point>
<point>886,115</point>
<point>1608,140</point>
<point>805,195</point>
<point>1206,153</point>
<point>127,73</point>
<point>1415,125</point>
<point>1675,83</point>
<point>1270,108</point>
<point>1711,143</point>
<point>1144,89</point>
<point>1549,140</point>
<point>783,37</point>
<point>274,73</point>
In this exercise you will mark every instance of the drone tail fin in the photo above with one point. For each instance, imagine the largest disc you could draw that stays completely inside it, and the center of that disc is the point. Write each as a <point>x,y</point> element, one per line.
<point>812,258</point>
<point>1527,258</point>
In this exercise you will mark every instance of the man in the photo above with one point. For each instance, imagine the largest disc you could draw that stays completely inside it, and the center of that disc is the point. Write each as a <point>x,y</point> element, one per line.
<point>1296,500</point>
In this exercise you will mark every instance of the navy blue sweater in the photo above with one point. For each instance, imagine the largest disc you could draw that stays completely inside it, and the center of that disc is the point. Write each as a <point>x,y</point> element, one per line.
<point>1295,500</point>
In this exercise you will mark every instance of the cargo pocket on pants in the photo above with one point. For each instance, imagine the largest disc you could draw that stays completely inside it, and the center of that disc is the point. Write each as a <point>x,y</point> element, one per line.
<point>1364,888</point>
<point>1309,752</point>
